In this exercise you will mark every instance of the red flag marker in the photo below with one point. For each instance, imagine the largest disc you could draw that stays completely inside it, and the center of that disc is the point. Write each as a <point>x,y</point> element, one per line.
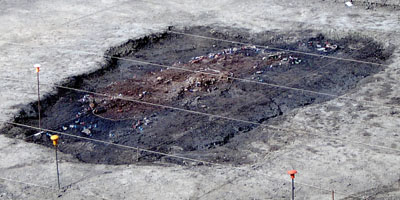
<point>292,173</point>
<point>37,67</point>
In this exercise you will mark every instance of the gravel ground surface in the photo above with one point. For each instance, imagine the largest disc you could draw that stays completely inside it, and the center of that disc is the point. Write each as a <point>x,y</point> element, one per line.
<point>59,35</point>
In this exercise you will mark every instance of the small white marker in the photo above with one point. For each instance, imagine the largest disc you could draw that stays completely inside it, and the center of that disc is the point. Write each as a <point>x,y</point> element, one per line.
<point>38,134</point>
<point>348,4</point>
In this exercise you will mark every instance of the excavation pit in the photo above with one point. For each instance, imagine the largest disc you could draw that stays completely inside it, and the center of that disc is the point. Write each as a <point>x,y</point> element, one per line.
<point>201,99</point>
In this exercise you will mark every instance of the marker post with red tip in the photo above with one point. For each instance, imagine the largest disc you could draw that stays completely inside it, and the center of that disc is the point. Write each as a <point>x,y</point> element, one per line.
<point>292,173</point>
<point>37,67</point>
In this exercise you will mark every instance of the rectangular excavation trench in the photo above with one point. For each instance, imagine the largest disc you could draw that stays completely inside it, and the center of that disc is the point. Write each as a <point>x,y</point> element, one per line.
<point>213,79</point>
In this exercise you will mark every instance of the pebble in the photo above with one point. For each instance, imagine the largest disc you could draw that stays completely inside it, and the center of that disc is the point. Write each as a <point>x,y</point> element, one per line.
<point>72,126</point>
<point>86,131</point>
<point>92,105</point>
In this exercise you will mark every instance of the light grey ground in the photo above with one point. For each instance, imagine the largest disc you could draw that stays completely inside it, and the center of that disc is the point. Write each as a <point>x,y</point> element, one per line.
<point>54,28</point>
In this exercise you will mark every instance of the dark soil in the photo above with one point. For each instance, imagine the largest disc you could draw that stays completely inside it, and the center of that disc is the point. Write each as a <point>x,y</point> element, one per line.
<point>214,89</point>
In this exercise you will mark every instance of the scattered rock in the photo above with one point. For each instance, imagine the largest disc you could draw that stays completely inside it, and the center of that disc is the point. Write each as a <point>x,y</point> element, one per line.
<point>86,131</point>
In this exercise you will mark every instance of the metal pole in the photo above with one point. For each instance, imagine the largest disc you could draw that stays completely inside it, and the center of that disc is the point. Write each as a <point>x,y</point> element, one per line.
<point>38,92</point>
<point>292,188</point>
<point>333,195</point>
<point>58,173</point>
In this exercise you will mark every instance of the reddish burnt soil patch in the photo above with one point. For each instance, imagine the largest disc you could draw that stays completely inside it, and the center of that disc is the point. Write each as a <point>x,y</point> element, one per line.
<point>215,71</point>
<point>209,83</point>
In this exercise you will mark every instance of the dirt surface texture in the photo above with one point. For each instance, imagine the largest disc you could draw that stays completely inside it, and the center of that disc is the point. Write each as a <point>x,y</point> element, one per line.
<point>306,85</point>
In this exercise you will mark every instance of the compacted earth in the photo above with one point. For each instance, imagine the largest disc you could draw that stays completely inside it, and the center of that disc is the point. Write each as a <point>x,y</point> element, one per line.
<point>197,98</point>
